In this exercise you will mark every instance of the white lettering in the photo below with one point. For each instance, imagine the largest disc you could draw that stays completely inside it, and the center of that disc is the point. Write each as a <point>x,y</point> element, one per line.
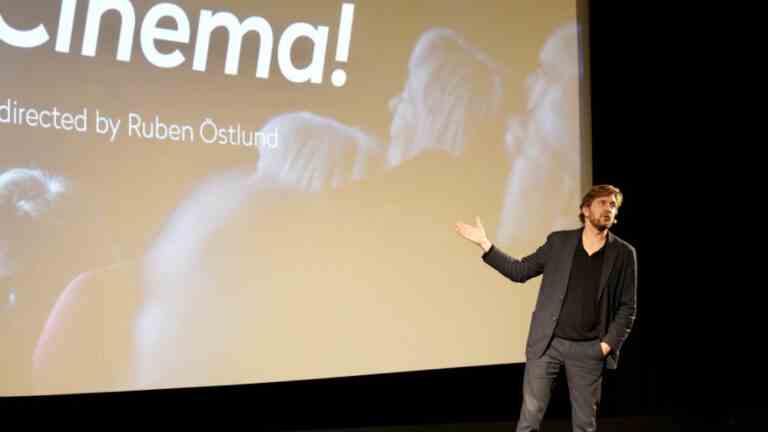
<point>209,22</point>
<point>313,72</point>
<point>12,113</point>
<point>23,38</point>
<point>134,121</point>
<point>105,125</point>
<point>157,130</point>
<point>66,23</point>
<point>96,11</point>
<point>150,32</point>
<point>32,117</point>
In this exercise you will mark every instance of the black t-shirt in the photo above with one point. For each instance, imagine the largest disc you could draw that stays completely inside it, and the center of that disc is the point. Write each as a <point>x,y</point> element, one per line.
<point>579,317</point>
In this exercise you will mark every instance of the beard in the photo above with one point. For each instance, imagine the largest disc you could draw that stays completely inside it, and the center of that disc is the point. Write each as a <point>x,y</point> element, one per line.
<point>600,222</point>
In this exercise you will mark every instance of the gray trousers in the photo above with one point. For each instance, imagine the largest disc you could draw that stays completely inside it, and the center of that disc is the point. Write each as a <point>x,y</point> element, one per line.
<point>584,365</point>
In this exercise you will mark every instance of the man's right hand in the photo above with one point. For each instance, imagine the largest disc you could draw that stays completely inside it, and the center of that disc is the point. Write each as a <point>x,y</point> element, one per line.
<point>475,234</point>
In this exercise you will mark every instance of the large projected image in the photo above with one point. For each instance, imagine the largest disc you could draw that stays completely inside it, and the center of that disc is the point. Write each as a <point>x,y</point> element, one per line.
<point>196,193</point>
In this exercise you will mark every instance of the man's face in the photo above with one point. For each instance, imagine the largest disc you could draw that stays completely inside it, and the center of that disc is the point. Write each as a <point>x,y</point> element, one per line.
<point>601,214</point>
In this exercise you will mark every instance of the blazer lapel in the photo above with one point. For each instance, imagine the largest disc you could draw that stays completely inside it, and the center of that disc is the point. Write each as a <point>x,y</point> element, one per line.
<point>608,260</point>
<point>567,255</point>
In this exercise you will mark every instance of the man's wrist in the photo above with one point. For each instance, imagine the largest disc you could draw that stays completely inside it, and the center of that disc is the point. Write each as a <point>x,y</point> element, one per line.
<point>486,245</point>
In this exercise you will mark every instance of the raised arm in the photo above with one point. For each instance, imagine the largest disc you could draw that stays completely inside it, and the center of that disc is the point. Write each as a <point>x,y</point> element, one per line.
<point>512,268</point>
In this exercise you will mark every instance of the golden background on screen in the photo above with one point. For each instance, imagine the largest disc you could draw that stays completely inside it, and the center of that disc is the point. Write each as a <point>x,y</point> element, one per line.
<point>132,262</point>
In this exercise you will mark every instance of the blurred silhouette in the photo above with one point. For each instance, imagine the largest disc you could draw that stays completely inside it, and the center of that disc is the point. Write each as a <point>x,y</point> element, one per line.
<point>543,147</point>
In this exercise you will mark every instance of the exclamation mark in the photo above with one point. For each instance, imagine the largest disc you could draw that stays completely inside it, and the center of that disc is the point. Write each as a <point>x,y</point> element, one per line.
<point>339,76</point>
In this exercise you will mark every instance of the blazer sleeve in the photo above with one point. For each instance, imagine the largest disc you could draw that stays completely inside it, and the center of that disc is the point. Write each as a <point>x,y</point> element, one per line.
<point>625,315</point>
<point>519,270</point>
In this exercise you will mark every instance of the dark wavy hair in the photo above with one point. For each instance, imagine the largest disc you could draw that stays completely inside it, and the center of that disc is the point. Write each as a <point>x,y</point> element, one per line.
<point>600,191</point>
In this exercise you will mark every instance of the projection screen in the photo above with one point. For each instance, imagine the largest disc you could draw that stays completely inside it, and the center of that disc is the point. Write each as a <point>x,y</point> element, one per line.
<point>200,193</point>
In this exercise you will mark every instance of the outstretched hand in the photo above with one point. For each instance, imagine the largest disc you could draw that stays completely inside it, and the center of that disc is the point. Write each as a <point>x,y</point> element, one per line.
<point>474,233</point>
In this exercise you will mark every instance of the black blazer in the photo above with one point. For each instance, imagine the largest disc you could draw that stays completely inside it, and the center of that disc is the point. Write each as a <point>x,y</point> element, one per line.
<point>617,294</point>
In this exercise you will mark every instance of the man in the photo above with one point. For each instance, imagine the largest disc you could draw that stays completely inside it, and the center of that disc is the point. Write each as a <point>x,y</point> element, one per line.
<point>585,309</point>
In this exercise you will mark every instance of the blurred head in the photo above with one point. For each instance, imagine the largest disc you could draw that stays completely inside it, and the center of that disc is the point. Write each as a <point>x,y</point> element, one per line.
<point>28,198</point>
<point>600,206</point>
<point>543,145</point>
<point>315,153</point>
<point>551,122</point>
<point>452,88</point>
